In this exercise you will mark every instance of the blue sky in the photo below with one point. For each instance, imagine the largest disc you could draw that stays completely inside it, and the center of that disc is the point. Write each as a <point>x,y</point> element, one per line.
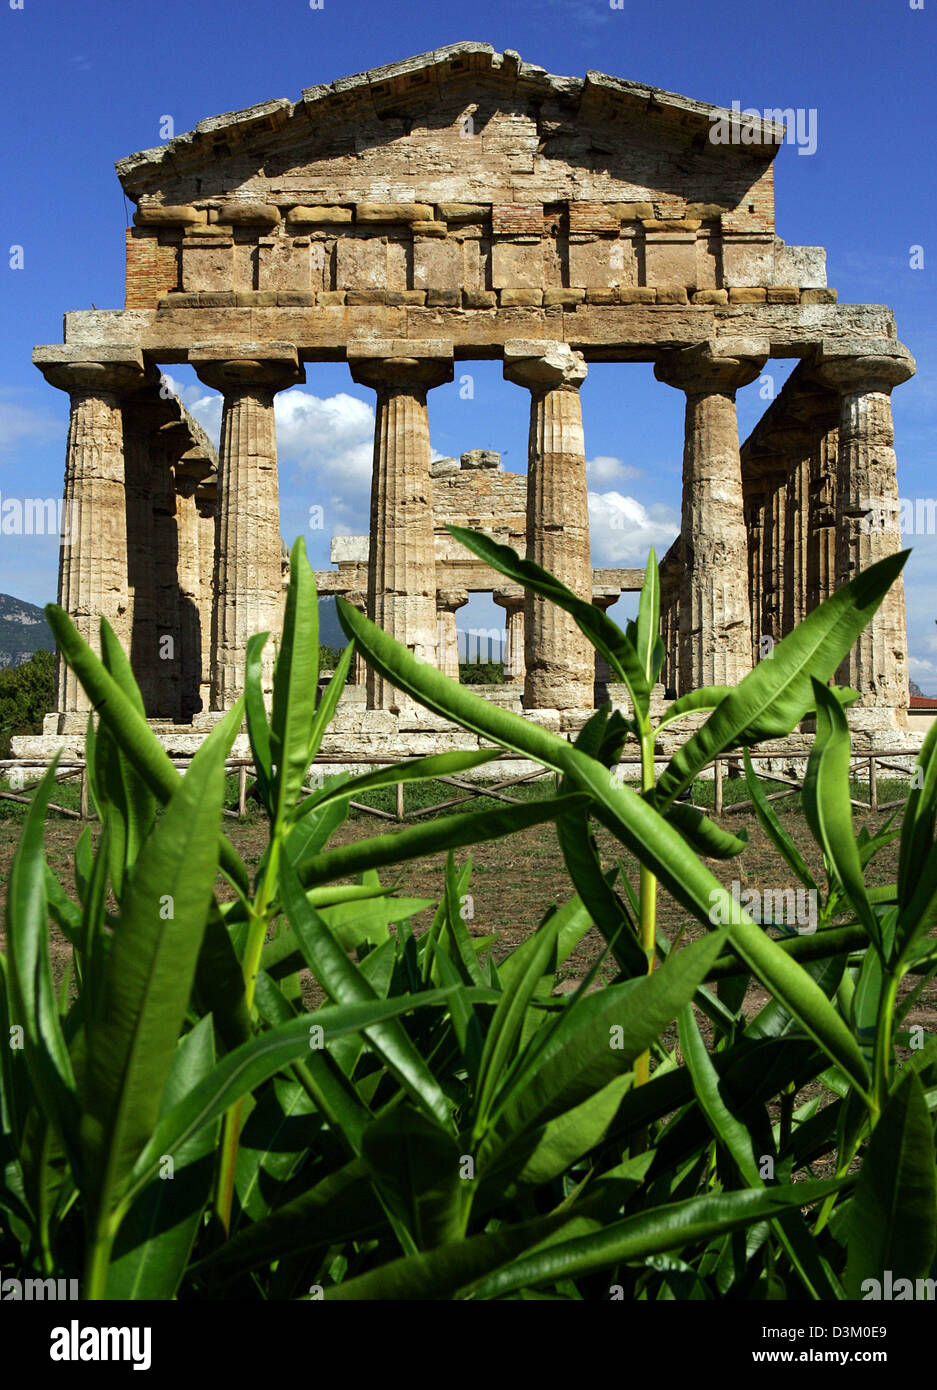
<point>87,84</point>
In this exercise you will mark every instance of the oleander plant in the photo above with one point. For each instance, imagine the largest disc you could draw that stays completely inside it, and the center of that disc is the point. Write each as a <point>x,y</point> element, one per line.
<point>177,1122</point>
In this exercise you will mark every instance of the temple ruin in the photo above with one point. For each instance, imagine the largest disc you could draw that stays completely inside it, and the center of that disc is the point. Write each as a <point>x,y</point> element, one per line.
<point>466,205</point>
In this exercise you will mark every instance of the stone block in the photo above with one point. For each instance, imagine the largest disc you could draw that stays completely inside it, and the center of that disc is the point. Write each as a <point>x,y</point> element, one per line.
<point>671,294</point>
<point>632,212</point>
<point>516,266</point>
<point>394,212</point>
<point>747,294</point>
<point>709,297</point>
<point>437,264</point>
<point>208,267</point>
<point>295,299</point>
<point>178,299</point>
<point>444,299</point>
<point>330,299</point>
<point>601,264</point>
<point>521,299</point>
<point>783,294</point>
<point>598,295</point>
<point>434,229</point>
<point>480,458</point>
<point>678,224</point>
<point>283,265</point>
<point>361,263</point>
<point>249,214</point>
<point>217,299</point>
<point>670,259</point>
<point>818,296</point>
<point>637,294</point>
<point>169,215</point>
<point>463,212</point>
<point>319,216</point>
<point>747,261</point>
<point>479,299</point>
<point>566,298</point>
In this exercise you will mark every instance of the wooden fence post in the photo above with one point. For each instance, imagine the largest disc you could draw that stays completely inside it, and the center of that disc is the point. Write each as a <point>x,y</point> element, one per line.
<point>717,780</point>
<point>242,791</point>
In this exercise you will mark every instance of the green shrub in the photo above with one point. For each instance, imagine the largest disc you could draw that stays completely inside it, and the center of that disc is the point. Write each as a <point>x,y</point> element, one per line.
<point>444,1126</point>
<point>26,692</point>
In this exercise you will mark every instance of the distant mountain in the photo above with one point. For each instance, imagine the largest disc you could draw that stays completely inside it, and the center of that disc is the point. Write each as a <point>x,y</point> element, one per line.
<point>330,629</point>
<point>23,630</point>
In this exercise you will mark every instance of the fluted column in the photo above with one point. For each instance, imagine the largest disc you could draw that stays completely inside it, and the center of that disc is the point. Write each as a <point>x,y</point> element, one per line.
<point>93,579</point>
<point>247,587</point>
<point>821,549</point>
<point>867,518</point>
<point>359,667</point>
<point>755,528</point>
<point>603,599</point>
<point>402,564</point>
<point>448,602</point>
<point>206,501</point>
<point>715,618</point>
<point>558,658</point>
<point>512,601</point>
<point>774,551</point>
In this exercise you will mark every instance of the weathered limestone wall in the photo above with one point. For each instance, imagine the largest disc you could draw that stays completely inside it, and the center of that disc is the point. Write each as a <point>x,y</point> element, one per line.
<point>462,178</point>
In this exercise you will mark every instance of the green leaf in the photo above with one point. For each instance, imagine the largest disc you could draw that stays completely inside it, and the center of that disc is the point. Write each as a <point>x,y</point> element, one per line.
<point>130,730</point>
<point>564,1140</point>
<point>149,975</point>
<point>29,974</point>
<point>920,812</point>
<point>773,828</point>
<point>892,1222</point>
<point>777,694</point>
<point>295,681</point>
<point>344,983</point>
<point>258,727</point>
<point>448,832</point>
<point>676,1226</point>
<point>251,1064</point>
<point>595,1039</point>
<point>648,623</point>
<point>416,1167</point>
<point>704,835</point>
<point>708,697</point>
<point>419,770</point>
<point>156,1237</point>
<point>604,635</point>
<point>329,702</point>
<point>828,809</point>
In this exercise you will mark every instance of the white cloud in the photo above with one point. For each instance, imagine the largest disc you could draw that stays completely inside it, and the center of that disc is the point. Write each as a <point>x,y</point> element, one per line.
<point>623,529</point>
<point>605,469</point>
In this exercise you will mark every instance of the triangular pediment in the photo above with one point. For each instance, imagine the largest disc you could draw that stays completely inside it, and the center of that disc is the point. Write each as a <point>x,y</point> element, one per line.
<point>462,123</point>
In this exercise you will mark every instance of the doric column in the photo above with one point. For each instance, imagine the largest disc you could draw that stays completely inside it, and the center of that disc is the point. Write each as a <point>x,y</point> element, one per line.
<point>821,549</point>
<point>206,502</point>
<point>755,528</point>
<point>558,658</point>
<point>247,587</point>
<point>715,619</point>
<point>512,601</point>
<point>93,581</point>
<point>774,551</point>
<point>359,668</point>
<point>867,516</point>
<point>402,564</point>
<point>603,599</point>
<point>448,602</point>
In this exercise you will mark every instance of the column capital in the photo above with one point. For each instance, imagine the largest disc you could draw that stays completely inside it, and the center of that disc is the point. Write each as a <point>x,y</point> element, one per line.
<point>509,597</point>
<point>449,600</point>
<point>544,366</point>
<point>356,599</point>
<point>719,364</point>
<point>603,597</point>
<point>864,364</point>
<point>401,364</point>
<point>115,369</point>
<point>232,368</point>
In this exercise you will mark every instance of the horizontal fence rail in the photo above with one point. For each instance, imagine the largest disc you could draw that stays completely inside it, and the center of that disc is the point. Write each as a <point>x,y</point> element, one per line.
<point>728,764</point>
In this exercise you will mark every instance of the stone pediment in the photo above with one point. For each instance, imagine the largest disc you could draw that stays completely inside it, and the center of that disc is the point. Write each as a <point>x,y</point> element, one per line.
<point>531,125</point>
<point>460,178</point>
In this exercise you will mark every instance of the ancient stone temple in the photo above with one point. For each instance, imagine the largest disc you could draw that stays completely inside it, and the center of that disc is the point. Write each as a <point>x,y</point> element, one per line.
<point>466,205</point>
